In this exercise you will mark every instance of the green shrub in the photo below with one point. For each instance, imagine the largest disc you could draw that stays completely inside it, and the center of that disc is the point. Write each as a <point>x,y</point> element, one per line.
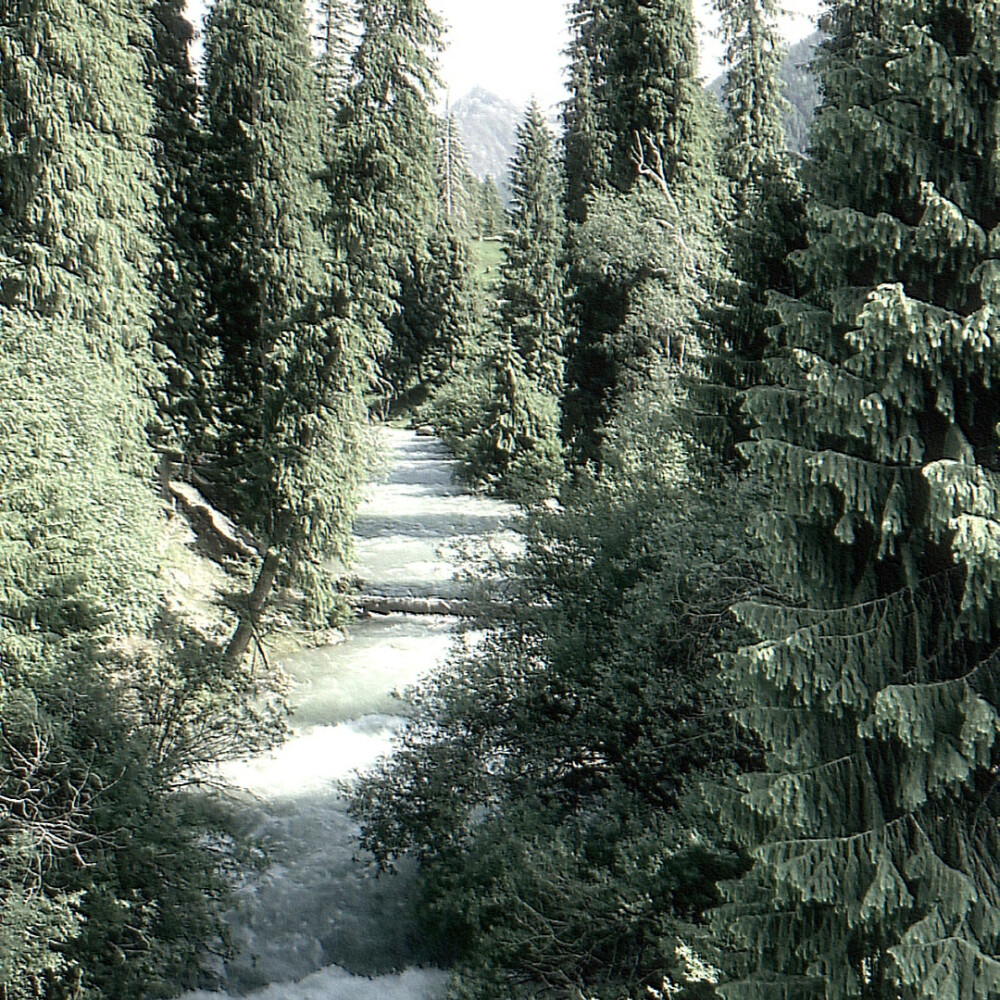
<point>549,785</point>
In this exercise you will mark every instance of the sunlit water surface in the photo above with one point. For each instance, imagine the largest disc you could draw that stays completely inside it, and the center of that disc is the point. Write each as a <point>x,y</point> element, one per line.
<point>317,924</point>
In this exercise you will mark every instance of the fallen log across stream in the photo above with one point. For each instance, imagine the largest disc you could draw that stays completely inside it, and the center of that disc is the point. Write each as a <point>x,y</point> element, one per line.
<point>376,604</point>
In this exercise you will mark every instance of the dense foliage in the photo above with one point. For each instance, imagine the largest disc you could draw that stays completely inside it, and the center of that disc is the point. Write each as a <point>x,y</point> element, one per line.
<point>286,467</point>
<point>500,412</point>
<point>727,723</point>
<point>764,222</point>
<point>844,305</point>
<point>382,173</point>
<point>164,291</point>
<point>873,684</point>
<point>635,93</point>
<point>542,786</point>
<point>109,700</point>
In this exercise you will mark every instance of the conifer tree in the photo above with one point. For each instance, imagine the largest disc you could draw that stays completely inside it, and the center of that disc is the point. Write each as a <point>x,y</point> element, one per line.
<point>493,213</point>
<point>438,310</point>
<point>633,68</point>
<point>77,202</point>
<point>766,222</point>
<point>652,87</point>
<point>185,419</point>
<point>382,174</point>
<point>76,532</point>
<point>455,180</point>
<point>519,448</point>
<point>436,299</point>
<point>873,686</point>
<point>531,276</point>
<point>635,65</point>
<point>454,299</point>
<point>755,137</point>
<point>587,142</point>
<point>289,453</point>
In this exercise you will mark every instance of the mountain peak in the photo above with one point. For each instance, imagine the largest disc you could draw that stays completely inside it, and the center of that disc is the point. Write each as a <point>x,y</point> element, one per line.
<point>488,124</point>
<point>481,95</point>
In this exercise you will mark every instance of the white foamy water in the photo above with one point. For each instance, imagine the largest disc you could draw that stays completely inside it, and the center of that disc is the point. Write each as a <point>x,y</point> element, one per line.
<point>318,924</point>
<point>413,984</point>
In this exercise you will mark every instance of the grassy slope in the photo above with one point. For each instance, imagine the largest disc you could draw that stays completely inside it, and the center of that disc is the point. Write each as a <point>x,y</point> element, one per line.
<point>487,256</point>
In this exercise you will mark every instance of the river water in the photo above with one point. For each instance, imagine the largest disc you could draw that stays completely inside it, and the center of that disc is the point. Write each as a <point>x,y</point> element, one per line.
<point>317,924</point>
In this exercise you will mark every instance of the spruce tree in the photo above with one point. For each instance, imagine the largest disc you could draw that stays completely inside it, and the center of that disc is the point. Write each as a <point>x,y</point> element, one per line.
<point>438,310</point>
<point>518,449</point>
<point>873,685</point>
<point>77,201</point>
<point>587,141</point>
<point>763,223</point>
<point>531,281</point>
<point>382,173</point>
<point>494,214</point>
<point>456,185</point>
<point>78,544</point>
<point>436,298</point>
<point>288,464</point>
<point>636,73</point>
<point>766,222</point>
<point>652,87</point>
<point>185,419</point>
<point>755,137</point>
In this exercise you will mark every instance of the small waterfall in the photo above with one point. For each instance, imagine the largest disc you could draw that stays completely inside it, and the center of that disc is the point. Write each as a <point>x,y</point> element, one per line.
<point>317,925</point>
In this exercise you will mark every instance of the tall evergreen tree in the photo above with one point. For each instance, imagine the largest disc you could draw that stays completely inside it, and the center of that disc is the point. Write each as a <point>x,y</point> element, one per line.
<point>755,137</point>
<point>438,309</point>
<point>586,139</point>
<point>185,421</point>
<point>76,192</point>
<point>382,175</point>
<point>766,223</point>
<point>455,181</point>
<point>635,67</point>
<point>437,297</point>
<point>289,464</point>
<point>491,208</point>
<point>652,87</point>
<point>763,223</point>
<point>874,687</point>
<point>531,281</point>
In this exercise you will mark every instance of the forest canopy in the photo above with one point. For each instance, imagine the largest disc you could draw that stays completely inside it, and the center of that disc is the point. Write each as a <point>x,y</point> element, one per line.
<point>731,727</point>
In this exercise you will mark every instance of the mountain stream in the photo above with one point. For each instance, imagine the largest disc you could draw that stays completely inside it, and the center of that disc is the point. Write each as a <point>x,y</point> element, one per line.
<point>317,924</point>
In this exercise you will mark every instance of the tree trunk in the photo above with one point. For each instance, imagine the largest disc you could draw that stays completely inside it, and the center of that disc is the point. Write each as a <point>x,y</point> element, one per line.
<point>258,598</point>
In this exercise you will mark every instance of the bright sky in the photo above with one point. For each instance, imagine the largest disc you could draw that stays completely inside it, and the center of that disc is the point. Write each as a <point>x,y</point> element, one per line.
<point>514,48</point>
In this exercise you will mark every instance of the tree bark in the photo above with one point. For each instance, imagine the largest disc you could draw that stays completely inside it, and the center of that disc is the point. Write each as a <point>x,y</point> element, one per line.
<point>258,598</point>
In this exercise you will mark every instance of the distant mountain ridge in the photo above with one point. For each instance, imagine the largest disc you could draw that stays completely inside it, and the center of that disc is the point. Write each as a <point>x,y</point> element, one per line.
<point>488,124</point>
